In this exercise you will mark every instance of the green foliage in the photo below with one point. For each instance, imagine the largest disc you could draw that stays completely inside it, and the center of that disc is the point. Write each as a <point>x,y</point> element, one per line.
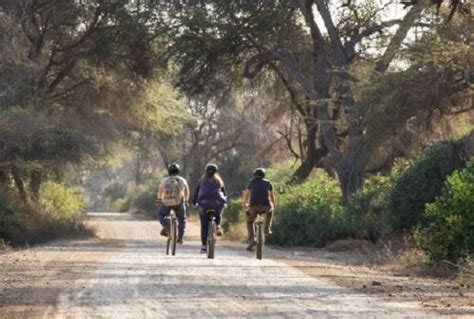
<point>280,173</point>
<point>310,214</point>
<point>27,224</point>
<point>422,182</point>
<point>145,201</point>
<point>450,234</point>
<point>368,212</point>
<point>61,202</point>
<point>115,191</point>
<point>10,226</point>
<point>233,214</point>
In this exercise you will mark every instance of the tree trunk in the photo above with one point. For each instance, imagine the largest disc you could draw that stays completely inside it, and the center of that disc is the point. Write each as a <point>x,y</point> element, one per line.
<point>352,173</point>
<point>19,184</point>
<point>314,155</point>
<point>138,177</point>
<point>36,179</point>
<point>3,181</point>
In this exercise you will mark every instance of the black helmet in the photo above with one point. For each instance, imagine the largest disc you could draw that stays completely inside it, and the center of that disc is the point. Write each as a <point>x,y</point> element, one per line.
<point>259,172</point>
<point>211,169</point>
<point>173,169</point>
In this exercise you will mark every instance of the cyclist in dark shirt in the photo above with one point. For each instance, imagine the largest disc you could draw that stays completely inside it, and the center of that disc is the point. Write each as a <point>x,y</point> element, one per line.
<point>258,198</point>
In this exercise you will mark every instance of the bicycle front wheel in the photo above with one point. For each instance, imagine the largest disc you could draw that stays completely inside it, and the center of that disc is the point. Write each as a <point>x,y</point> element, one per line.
<point>211,239</point>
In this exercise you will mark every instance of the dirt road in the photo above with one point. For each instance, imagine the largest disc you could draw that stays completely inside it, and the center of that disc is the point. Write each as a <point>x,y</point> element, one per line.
<point>124,273</point>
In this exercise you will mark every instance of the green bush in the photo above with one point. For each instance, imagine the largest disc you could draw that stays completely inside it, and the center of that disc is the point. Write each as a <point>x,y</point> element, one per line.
<point>368,212</point>
<point>145,201</point>
<point>233,213</point>
<point>61,202</point>
<point>10,225</point>
<point>281,173</point>
<point>422,182</point>
<point>22,223</point>
<point>310,214</point>
<point>115,191</point>
<point>450,234</point>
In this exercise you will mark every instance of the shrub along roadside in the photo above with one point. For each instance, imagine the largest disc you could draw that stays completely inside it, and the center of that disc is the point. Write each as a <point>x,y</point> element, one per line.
<point>310,214</point>
<point>422,182</point>
<point>368,213</point>
<point>58,214</point>
<point>144,201</point>
<point>450,233</point>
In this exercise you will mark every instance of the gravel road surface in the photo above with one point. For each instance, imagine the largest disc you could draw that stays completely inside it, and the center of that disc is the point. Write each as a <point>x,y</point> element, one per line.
<point>124,273</point>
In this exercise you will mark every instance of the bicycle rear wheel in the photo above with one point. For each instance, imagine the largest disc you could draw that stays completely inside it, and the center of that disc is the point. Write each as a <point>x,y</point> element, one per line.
<point>211,239</point>
<point>174,235</point>
<point>168,239</point>
<point>168,245</point>
<point>260,240</point>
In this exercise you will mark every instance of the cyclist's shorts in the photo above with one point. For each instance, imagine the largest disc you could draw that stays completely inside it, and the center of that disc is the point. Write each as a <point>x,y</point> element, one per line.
<point>259,209</point>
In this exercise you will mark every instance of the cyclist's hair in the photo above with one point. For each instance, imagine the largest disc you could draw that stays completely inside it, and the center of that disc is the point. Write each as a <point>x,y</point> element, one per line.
<point>216,178</point>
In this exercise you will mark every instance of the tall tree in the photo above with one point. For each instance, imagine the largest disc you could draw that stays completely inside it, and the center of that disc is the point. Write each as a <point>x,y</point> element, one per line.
<point>315,58</point>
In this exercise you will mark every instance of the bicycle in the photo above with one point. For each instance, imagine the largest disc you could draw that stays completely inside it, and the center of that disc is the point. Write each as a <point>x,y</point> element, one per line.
<point>211,234</point>
<point>172,233</point>
<point>259,232</point>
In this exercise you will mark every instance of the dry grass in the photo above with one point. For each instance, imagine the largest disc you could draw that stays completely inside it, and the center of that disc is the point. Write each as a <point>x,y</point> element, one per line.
<point>351,244</point>
<point>416,263</point>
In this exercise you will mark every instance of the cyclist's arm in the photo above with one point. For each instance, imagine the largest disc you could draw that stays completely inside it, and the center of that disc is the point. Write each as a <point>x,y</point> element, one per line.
<point>196,193</point>
<point>246,198</point>
<point>159,194</point>
<point>223,190</point>
<point>272,198</point>
<point>186,191</point>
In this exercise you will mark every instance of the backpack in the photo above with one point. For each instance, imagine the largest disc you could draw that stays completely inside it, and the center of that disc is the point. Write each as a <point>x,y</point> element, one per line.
<point>172,195</point>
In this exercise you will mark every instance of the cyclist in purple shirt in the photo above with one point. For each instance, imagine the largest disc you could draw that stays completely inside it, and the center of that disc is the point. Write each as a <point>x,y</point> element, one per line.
<point>210,194</point>
<point>258,198</point>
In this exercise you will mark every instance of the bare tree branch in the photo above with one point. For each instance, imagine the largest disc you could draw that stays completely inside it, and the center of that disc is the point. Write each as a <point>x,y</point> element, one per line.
<point>397,39</point>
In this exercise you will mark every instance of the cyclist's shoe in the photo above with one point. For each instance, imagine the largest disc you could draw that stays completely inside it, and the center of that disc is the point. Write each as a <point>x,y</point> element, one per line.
<point>252,245</point>
<point>267,231</point>
<point>219,231</point>
<point>164,232</point>
<point>180,241</point>
<point>203,249</point>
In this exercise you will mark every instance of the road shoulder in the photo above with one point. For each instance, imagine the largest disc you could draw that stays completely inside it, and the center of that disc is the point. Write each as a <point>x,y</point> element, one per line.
<point>359,270</point>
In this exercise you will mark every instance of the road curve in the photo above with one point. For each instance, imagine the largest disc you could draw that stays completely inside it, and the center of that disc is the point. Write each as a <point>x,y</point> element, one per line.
<point>124,273</point>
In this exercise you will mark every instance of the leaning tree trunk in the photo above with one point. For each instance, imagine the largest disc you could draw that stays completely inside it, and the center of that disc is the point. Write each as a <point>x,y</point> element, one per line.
<point>36,178</point>
<point>314,154</point>
<point>19,184</point>
<point>310,159</point>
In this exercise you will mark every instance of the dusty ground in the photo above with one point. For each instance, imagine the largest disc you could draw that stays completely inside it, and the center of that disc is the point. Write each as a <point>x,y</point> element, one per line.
<point>123,273</point>
<point>364,272</point>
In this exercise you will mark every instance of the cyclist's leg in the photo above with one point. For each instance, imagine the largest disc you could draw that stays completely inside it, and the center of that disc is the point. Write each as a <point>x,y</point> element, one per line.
<point>219,211</point>
<point>218,218</point>
<point>251,215</point>
<point>268,220</point>
<point>181,214</point>
<point>163,211</point>
<point>204,224</point>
